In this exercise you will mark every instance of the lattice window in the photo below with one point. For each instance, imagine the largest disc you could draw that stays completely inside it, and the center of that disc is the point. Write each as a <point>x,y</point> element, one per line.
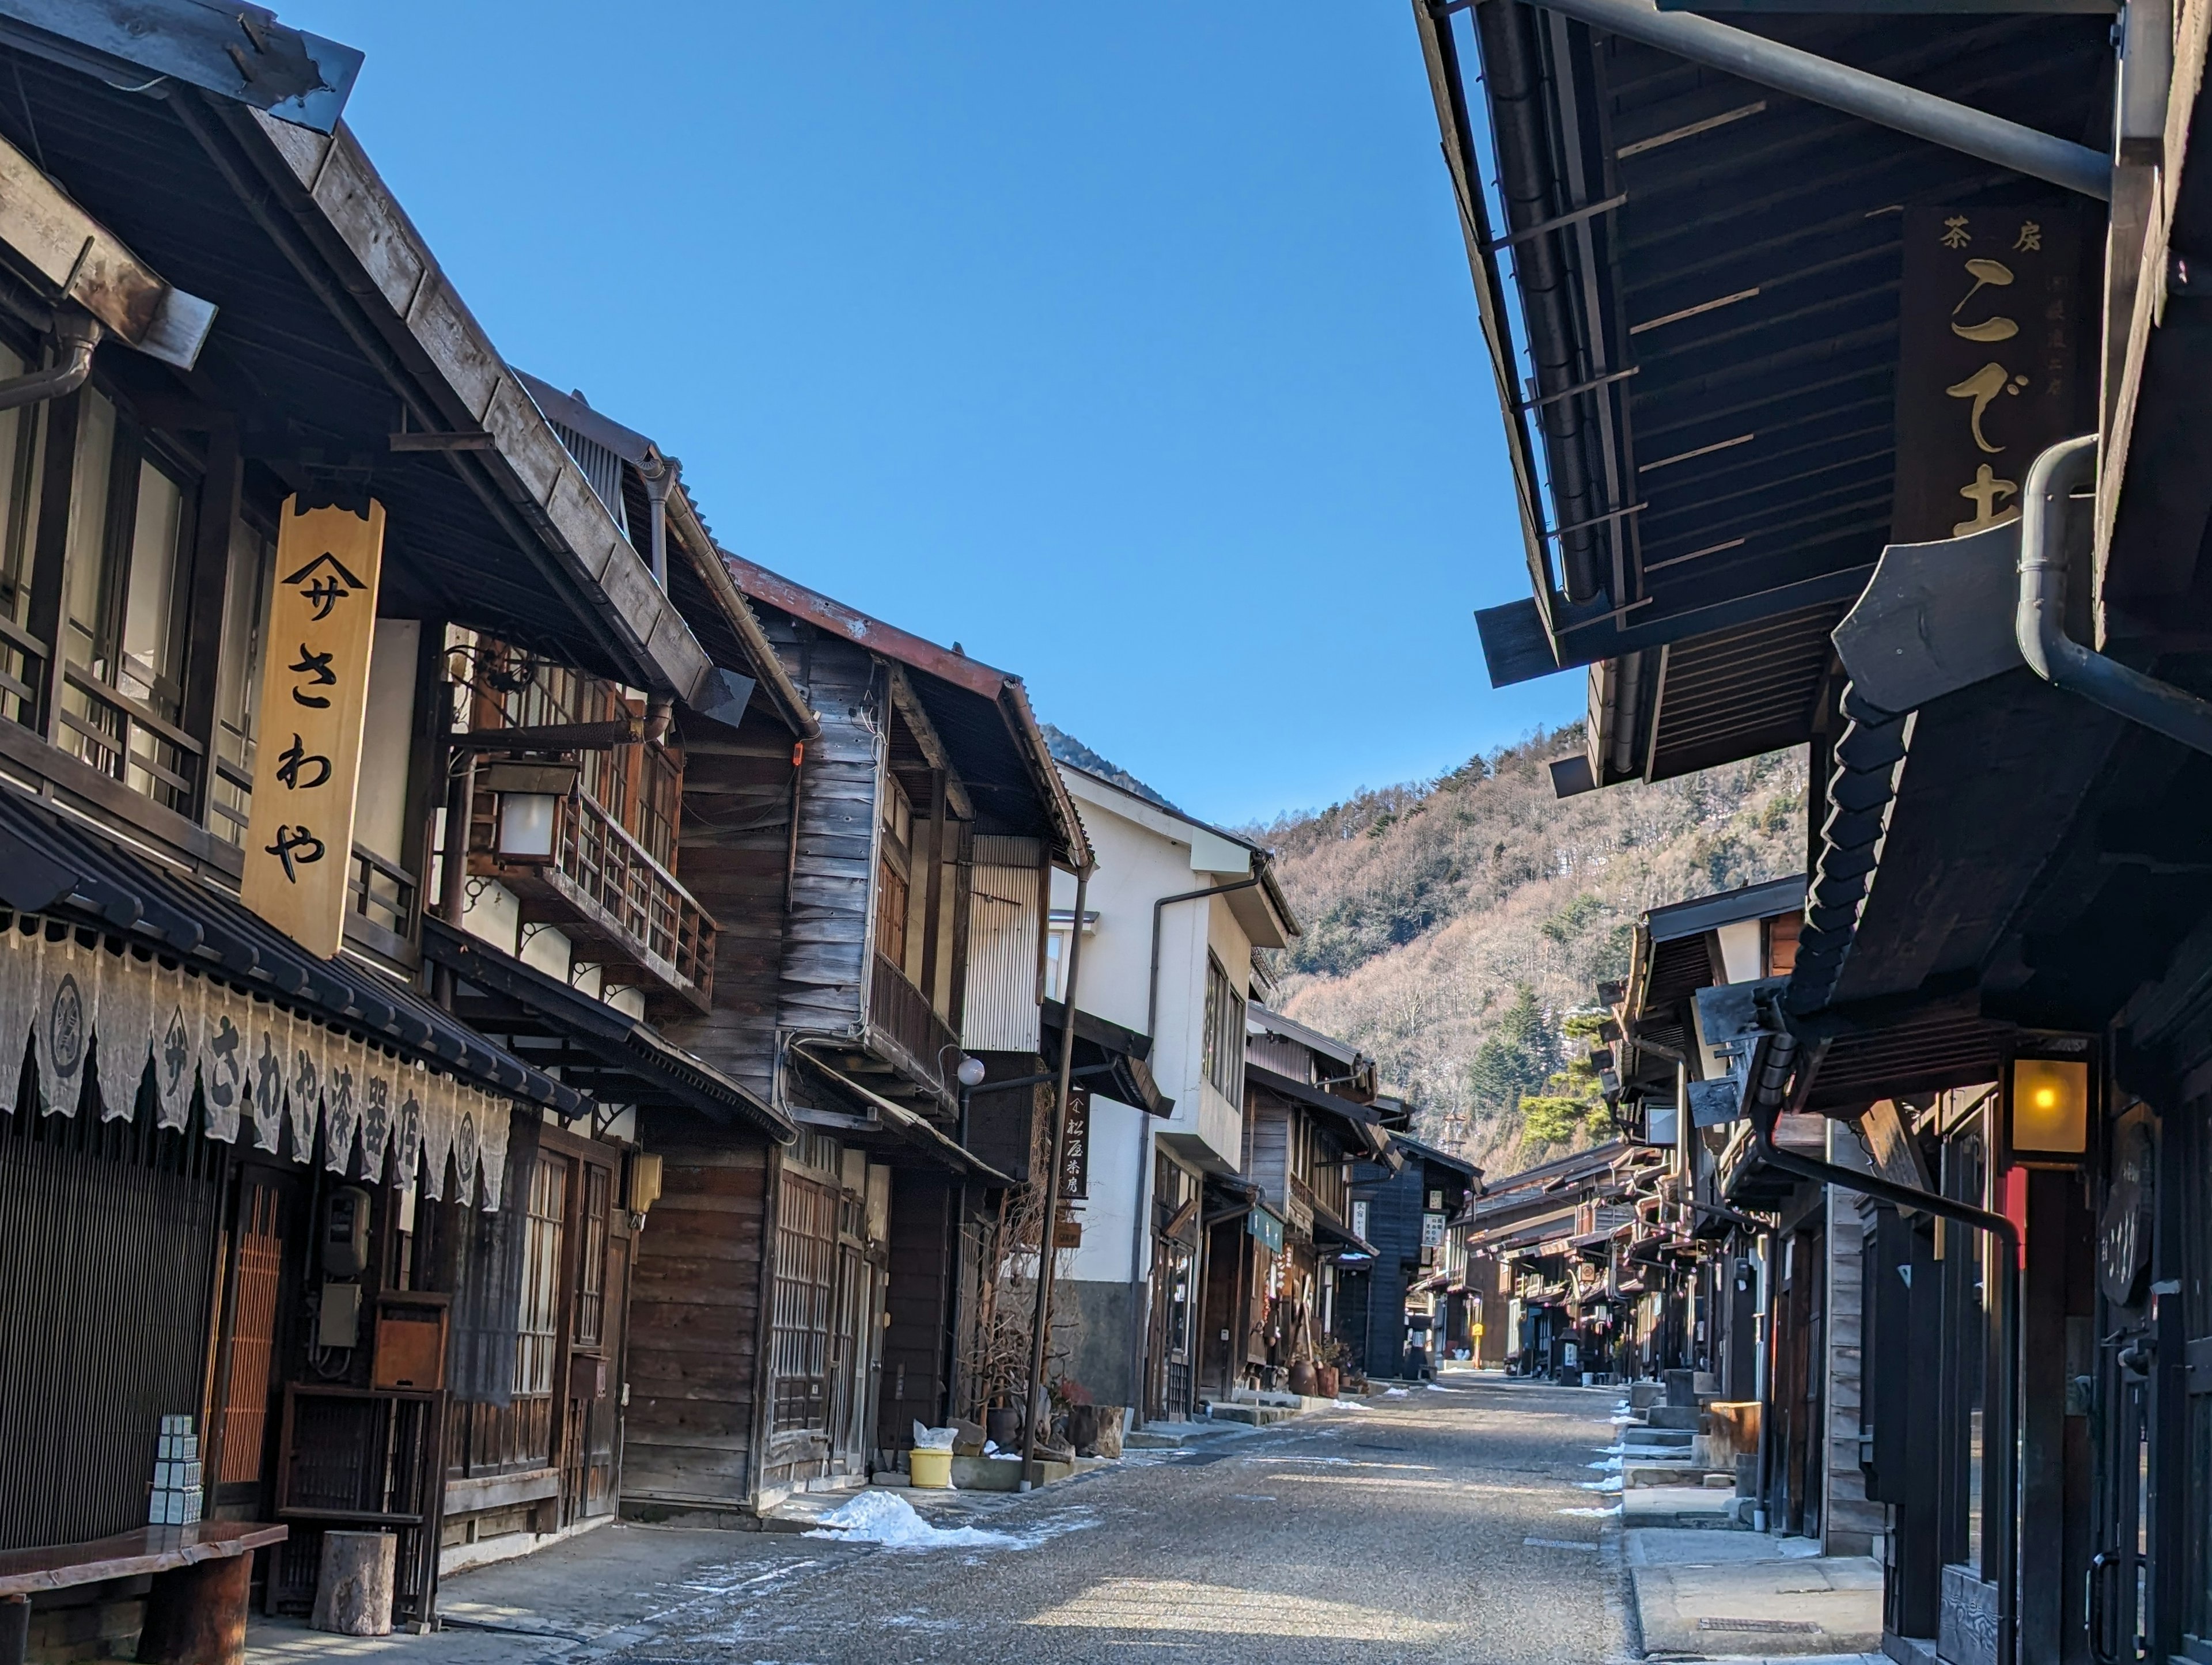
<point>592,1270</point>
<point>537,1323</point>
<point>805,1269</point>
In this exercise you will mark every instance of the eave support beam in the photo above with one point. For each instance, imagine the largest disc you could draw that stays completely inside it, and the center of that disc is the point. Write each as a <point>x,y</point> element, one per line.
<point>1856,93</point>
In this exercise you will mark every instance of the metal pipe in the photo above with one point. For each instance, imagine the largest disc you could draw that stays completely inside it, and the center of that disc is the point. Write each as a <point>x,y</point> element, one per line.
<point>1855,92</point>
<point>1050,1223</point>
<point>76,332</point>
<point>460,804</point>
<point>658,478</point>
<point>1152,987</point>
<point>2040,622</point>
<point>1764,1108</point>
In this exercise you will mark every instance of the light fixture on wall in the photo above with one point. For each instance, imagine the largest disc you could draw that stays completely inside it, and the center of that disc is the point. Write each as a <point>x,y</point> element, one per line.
<point>529,796</point>
<point>2049,1088</point>
<point>642,1189</point>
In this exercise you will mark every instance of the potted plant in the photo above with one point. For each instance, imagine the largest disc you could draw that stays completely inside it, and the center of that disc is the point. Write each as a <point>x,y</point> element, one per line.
<point>1331,1356</point>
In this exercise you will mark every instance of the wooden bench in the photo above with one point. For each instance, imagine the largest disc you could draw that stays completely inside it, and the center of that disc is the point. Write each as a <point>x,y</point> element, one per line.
<point>196,1612</point>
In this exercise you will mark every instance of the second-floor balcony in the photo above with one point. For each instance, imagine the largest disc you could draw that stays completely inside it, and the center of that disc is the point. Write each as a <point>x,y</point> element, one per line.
<point>909,1034</point>
<point>620,908</point>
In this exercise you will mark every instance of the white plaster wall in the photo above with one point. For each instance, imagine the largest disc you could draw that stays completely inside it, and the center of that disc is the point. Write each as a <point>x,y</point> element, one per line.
<point>1139,860</point>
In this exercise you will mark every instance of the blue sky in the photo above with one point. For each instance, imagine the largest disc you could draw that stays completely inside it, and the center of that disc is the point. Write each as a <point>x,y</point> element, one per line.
<point>1134,348</point>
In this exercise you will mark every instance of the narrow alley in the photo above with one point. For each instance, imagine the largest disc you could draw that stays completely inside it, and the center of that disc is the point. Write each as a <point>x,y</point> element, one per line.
<point>1456,1522</point>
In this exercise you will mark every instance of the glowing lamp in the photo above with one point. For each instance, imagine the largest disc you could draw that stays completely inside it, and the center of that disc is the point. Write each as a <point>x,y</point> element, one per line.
<point>2048,1101</point>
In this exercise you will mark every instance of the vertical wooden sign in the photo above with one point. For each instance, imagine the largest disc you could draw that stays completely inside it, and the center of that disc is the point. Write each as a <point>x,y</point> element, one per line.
<point>1990,320</point>
<point>314,696</point>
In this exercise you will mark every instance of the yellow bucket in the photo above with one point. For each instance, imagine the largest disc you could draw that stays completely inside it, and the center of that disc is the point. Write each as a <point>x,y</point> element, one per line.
<point>932,1470</point>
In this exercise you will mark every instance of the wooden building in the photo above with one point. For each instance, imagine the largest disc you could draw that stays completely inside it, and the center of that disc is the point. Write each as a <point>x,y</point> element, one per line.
<point>1758,314</point>
<point>799,1307</point>
<point>1402,1199</point>
<point>1308,1120</point>
<point>361,1206</point>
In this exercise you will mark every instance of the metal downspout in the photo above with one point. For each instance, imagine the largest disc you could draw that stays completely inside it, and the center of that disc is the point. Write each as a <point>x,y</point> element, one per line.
<point>1152,987</point>
<point>1038,1400</point>
<point>658,480</point>
<point>1855,92</point>
<point>1764,1098</point>
<point>2039,624</point>
<point>76,332</point>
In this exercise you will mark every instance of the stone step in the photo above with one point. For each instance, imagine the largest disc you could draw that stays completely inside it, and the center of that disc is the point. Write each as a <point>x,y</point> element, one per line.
<point>1689,1416</point>
<point>1642,1474</point>
<point>1668,1437</point>
<point>1255,1415</point>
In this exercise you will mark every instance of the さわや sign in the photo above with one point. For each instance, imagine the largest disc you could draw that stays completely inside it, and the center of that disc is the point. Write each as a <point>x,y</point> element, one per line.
<point>314,696</point>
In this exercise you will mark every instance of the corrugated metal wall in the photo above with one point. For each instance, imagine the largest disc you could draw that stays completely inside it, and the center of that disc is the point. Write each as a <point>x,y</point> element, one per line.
<point>1001,1013</point>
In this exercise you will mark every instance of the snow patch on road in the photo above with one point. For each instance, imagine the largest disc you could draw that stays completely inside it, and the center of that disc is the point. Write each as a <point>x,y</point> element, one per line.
<point>886,1518</point>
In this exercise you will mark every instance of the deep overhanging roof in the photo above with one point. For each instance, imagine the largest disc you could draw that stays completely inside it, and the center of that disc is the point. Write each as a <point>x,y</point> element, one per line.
<point>1702,913</point>
<point>335,328</point>
<point>624,1060</point>
<point>894,1125</point>
<point>1364,1125</point>
<point>982,715</point>
<point>55,865</point>
<point>1698,354</point>
<point>1108,1059</point>
<point>698,582</point>
<point>1414,1147</point>
<point>1274,913</point>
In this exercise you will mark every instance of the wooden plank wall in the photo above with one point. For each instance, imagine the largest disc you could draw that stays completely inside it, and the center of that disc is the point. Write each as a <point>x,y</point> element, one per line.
<point>732,854</point>
<point>1850,1522</point>
<point>918,1303</point>
<point>827,932</point>
<point>695,1322</point>
<point>1268,1149</point>
<point>1394,1227</point>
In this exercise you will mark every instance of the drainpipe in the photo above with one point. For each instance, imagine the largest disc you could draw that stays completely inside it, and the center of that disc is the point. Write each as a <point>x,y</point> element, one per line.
<point>76,332</point>
<point>2040,622</point>
<point>1038,1399</point>
<point>659,478</point>
<point>1141,1227</point>
<point>453,871</point>
<point>1869,97</point>
<point>2000,1478</point>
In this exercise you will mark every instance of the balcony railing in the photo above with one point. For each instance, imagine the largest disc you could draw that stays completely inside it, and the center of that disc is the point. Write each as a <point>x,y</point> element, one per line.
<point>125,739</point>
<point>900,1015</point>
<point>381,892</point>
<point>621,909</point>
<point>23,662</point>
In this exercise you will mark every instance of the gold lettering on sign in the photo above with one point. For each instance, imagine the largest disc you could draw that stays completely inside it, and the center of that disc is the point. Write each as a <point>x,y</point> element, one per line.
<point>314,696</point>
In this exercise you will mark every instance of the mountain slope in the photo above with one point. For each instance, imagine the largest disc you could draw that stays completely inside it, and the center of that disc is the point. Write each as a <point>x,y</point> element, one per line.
<point>1431,909</point>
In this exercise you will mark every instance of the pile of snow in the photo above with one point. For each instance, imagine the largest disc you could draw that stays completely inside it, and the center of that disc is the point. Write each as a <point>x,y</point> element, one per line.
<point>886,1518</point>
<point>1394,1392</point>
<point>1437,1387</point>
<point>1352,1405</point>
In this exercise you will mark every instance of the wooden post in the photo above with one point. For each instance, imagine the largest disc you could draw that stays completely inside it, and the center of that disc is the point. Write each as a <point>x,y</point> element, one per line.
<point>15,1628</point>
<point>196,1615</point>
<point>353,1590</point>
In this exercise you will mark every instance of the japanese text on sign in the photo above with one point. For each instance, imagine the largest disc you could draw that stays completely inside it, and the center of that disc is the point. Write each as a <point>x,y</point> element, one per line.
<point>314,696</point>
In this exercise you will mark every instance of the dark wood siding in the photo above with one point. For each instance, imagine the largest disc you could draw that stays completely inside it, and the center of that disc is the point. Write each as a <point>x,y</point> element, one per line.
<point>1268,1149</point>
<point>919,1304</point>
<point>823,984</point>
<point>734,855</point>
<point>695,1323</point>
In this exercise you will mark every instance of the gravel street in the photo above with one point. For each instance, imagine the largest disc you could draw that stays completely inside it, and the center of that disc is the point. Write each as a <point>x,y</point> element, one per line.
<point>1446,1525</point>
